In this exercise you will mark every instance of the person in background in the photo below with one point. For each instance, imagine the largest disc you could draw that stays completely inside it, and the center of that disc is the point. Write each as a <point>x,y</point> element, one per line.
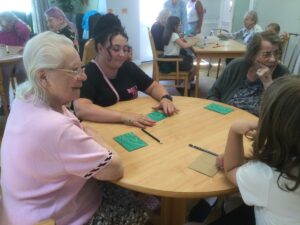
<point>195,13</point>
<point>172,46</point>
<point>14,32</point>
<point>249,30</point>
<point>275,28</point>
<point>59,23</point>
<point>111,78</point>
<point>269,179</point>
<point>57,165</point>
<point>244,80</point>
<point>178,8</point>
<point>157,29</point>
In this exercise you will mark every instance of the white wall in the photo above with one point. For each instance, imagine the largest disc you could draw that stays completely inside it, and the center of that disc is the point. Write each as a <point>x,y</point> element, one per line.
<point>212,15</point>
<point>286,13</point>
<point>137,32</point>
<point>128,12</point>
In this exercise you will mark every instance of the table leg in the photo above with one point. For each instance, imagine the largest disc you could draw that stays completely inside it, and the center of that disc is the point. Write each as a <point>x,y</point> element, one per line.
<point>198,60</point>
<point>173,211</point>
<point>4,98</point>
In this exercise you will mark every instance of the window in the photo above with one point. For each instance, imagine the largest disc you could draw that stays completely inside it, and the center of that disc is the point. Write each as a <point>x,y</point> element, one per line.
<point>16,5</point>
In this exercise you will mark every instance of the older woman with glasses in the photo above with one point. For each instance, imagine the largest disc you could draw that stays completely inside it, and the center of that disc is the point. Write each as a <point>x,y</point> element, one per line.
<point>245,79</point>
<point>50,166</point>
<point>111,78</point>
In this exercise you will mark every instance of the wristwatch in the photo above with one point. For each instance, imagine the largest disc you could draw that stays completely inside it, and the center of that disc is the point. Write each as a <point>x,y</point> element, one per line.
<point>167,97</point>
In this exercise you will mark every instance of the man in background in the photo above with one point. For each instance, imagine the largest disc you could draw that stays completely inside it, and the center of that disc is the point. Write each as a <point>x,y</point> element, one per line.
<point>177,8</point>
<point>250,28</point>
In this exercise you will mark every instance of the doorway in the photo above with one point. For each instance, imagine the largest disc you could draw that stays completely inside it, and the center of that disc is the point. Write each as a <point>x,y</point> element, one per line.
<point>149,10</point>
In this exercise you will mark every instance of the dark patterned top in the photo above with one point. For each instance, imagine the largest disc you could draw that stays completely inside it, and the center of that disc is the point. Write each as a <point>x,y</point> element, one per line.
<point>71,34</point>
<point>248,96</point>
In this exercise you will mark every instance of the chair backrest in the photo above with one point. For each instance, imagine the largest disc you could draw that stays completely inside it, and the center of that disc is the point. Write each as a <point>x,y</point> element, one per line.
<point>89,51</point>
<point>216,31</point>
<point>289,47</point>
<point>155,71</point>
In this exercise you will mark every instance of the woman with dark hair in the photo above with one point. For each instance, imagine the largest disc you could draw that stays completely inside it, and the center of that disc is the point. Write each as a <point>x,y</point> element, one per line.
<point>111,78</point>
<point>244,80</point>
<point>173,43</point>
<point>157,29</point>
<point>269,179</point>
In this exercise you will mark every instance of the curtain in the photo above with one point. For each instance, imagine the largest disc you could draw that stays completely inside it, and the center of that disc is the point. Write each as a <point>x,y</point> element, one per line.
<point>38,18</point>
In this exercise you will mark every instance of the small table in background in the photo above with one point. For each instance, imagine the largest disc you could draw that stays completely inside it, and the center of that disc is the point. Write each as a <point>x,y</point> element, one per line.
<point>8,55</point>
<point>224,49</point>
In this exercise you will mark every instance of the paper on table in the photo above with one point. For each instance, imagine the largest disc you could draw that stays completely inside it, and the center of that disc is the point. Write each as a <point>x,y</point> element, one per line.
<point>219,108</point>
<point>205,164</point>
<point>156,116</point>
<point>130,141</point>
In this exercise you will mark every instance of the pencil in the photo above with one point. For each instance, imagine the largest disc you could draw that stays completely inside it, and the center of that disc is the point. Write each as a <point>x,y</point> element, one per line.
<point>155,138</point>
<point>203,150</point>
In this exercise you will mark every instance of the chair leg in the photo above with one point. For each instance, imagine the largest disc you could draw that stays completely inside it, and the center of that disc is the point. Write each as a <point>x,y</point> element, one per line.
<point>4,101</point>
<point>4,98</point>
<point>13,84</point>
<point>209,68</point>
<point>218,69</point>
<point>186,82</point>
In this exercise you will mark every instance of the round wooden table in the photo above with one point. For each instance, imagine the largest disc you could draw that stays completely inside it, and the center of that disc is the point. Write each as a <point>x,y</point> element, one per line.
<point>162,169</point>
<point>11,56</point>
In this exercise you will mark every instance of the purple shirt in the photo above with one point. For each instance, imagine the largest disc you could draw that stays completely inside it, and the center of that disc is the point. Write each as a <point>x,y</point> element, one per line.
<point>47,161</point>
<point>17,36</point>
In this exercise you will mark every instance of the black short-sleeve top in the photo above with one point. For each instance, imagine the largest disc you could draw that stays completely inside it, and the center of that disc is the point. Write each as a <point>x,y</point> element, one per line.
<point>129,80</point>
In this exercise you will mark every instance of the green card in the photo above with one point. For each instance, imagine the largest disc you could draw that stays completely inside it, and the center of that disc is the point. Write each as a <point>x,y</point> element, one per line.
<point>130,141</point>
<point>156,116</point>
<point>219,108</point>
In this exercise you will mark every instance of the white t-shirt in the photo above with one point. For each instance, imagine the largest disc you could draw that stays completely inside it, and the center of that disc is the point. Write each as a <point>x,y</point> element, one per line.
<point>257,183</point>
<point>172,48</point>
<point>192,15</point>
<point>47,161</point>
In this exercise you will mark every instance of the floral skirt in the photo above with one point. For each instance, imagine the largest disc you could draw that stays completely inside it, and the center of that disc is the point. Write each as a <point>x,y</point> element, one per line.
<point>119,207</point>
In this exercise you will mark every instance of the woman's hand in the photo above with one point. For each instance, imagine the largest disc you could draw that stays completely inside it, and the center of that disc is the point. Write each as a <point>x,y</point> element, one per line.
<point>264,73</point>
<point>166,106</point>
<point>138,120</point>
<point>220,161</point>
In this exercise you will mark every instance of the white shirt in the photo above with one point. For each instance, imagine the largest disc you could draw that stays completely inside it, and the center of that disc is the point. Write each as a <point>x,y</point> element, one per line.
<point>258,186</point>
<point>172,48</point>
<point>192,15</point>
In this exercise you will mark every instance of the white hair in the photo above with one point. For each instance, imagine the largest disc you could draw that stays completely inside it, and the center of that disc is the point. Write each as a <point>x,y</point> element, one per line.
<point>44,51</point>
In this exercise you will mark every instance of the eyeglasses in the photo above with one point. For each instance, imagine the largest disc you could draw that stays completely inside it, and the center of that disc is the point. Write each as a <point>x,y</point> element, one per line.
<point>267,55</point>
<point>117,48</point>
<point>74,73</point>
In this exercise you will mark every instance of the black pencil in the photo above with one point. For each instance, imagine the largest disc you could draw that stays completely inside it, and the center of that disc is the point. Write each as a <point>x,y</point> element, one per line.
<point>155,138</point>
<point>203,150</point>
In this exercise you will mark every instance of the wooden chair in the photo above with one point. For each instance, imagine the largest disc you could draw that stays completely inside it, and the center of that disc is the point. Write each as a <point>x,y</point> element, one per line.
<point>89,51</point>
<point>291,52</point>
<point>178,77</point>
